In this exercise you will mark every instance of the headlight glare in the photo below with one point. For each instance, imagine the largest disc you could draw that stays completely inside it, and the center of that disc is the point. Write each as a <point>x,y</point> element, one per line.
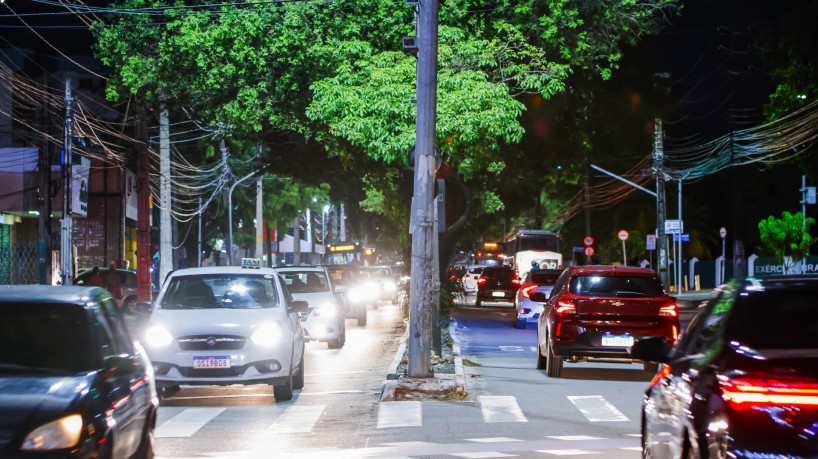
<point>267,334</point>
<point>60,434</point>
<point>326,310</point>
<point>158,336</point>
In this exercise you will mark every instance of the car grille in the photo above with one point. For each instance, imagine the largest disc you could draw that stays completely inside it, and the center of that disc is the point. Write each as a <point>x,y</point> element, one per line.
<point>211,372</point>
<point>211,342</point>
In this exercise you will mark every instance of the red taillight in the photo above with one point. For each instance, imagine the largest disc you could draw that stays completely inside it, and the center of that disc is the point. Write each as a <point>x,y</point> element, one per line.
<point>664,370</point>
<point>564,307</point>
<point>745,392</point>
<point>481,280</point>
<point>669,310</point>
<point>515,281</point>
<point>526,291</point>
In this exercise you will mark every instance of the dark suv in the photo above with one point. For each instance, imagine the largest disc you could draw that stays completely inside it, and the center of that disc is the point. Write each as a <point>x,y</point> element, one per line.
<point>496,284</point>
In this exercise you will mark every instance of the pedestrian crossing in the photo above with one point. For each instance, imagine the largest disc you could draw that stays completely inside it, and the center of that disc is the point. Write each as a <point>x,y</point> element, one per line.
<point>180,422</point>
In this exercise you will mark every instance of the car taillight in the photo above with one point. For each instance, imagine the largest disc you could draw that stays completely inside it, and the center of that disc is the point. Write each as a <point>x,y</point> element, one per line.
<point>526,291</point>
<point>481,280</point>
<point>664,370</point>
<point>669,310</point>
<point>563,307</point>
<point>515,281</point>
<point>745,392</point>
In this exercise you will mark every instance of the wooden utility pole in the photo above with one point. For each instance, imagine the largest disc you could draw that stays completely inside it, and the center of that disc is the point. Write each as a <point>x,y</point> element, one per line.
<point>422,218</point>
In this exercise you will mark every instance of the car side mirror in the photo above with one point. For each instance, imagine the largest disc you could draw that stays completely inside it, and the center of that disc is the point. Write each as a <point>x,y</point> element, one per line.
<point>299,306</point>
<point>538,297</point>
<point>143,308</point>
<point>651,349</point>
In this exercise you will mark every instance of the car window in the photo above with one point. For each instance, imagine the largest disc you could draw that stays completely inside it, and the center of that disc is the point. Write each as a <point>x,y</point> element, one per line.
<point>47,335</point>
<point>560,284</point>
<point>222,290</point>
<point>705,339</point>
<point>475,270</point>
<point>776,319</point>
<point>304,281</point>
<point>499,274</point>
<point>616,286</point>
<point>119,331</point>
<point>543,278</point>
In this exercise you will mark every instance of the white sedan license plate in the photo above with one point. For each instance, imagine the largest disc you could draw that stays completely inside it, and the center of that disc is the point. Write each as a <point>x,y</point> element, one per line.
<point>211,362</point>
<point>617,341</point>
<point>498,293</point>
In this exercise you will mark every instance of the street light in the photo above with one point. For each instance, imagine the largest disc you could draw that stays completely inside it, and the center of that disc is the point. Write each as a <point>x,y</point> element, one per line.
<point>230,216</point>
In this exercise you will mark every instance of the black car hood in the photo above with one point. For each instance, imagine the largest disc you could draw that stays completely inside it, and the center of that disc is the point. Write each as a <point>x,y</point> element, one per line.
<point>27,399</point>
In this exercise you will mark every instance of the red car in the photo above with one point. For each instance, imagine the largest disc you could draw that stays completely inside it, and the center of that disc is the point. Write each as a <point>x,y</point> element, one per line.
<point>597,312</point>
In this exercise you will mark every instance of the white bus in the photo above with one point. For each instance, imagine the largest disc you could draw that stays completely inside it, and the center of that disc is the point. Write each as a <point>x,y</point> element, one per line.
<point>534,246</point>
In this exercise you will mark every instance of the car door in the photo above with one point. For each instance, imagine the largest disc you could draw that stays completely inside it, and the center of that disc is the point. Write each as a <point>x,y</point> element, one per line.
<point>129,386</point>
<point>294,318</point>
<point>690,372</point>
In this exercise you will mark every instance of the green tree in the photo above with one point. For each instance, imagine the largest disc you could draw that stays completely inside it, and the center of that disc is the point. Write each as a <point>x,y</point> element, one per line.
<point>786,237</point>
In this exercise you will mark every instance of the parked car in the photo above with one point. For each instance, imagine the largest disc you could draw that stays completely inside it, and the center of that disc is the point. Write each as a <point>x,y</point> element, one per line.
<point>347,281</point>
<point>72,381</point>
<point>127,284</point>
<point>496,283</point>
<point>532,294</point>
<point>226,325</point>
<point>470,279</point>
<point>325,318</point>
<point>742,381</point>
<point>597,312</point>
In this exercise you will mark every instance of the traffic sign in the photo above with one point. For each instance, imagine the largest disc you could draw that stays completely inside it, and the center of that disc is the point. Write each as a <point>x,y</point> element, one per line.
<point>723,232</point>
<point>685,237</point>
<point>650,244</point>
<point>622,235</point>
<point>589,241</point>
<point>589,251</point>
<point>674,226</point>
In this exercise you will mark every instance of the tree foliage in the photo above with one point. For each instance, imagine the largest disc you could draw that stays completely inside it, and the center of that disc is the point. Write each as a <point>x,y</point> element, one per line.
<point>787,236</point>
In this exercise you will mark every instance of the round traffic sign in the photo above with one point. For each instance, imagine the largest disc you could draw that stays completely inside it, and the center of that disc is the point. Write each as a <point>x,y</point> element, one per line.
<point>723,232</point>
<point>623,235</point>
<point>588,241</point>
<point>589,251</point>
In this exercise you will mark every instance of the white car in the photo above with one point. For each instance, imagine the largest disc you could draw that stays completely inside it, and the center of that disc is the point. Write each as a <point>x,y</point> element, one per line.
<point>325,318</point>
<point>532,294</point>
<point>226,325</point>
<point>470,279</point>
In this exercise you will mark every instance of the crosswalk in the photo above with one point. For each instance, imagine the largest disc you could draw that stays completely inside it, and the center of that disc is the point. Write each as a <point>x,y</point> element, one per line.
<point>178,422</point>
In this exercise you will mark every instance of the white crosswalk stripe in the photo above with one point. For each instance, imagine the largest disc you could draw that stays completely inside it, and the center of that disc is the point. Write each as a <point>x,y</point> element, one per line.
<point>399,414</point>
<point>187,423</point>
<point>501,408</point>
<point>597,409</point>
<point>298,419</point>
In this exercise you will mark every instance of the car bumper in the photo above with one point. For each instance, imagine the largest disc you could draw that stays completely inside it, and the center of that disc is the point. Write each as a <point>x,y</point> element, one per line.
<point>528,310</point>
<point>496,295</point>
<point>589,344</point>
<point>321,328</point>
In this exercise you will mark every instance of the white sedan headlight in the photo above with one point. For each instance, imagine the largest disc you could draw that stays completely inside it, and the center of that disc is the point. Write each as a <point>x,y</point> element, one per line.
<point>364,293</point>
<point>60,434</point>
<point>326,310</point>
<point>389,286</point>
<point>267,334</point>
<point>158,336</point>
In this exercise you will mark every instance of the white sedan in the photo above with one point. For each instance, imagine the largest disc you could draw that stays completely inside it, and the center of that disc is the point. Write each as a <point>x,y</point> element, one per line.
<point>226,325</point>
<point>325,319</point>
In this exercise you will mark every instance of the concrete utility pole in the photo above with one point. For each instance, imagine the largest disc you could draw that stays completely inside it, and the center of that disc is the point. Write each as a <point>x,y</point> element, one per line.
<point>659,170</point>
<point>230,215</point>
<point>422,218</point>
<point>143,216</point>
<point>259,207</point>
<point>165,225</point>
<point>66,244</point>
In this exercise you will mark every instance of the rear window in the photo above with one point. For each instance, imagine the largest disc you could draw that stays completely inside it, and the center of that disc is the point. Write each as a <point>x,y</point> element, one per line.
<point>776,319</point>
<point>475,270</point>
<point>616,286</point>
<point>500,274</point>
<point>543,278</point>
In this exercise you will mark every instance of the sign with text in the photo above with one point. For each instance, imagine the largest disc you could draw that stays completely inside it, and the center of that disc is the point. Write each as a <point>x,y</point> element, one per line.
<point>685,237</point>
<point>674,226</point>
<point>650,243</point>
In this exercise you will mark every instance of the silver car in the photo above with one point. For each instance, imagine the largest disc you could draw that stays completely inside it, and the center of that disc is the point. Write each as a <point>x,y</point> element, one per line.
<point>532,295</point>
<point>226,325</point>
<point>470,279</point>
<point>325,319</point>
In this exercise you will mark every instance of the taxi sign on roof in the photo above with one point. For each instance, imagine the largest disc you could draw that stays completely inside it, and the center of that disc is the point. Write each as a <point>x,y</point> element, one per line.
<point>251,263</point>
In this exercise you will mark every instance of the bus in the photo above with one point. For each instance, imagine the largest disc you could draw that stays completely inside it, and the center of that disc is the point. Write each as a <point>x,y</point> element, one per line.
<point>538,247</point>
<point>487,254</point>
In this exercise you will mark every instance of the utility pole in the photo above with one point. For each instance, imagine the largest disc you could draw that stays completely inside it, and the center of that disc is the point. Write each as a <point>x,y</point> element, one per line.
<point>422,217</point>
<point>297,240</point>
<point>659,170</point>
<point>165,227</point>
<point>259,206</point>
<point>66,244</point>
<point>588,258</point>
<point>143,215</point>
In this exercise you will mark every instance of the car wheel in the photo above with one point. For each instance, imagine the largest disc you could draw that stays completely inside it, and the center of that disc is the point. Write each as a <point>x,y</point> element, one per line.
<point>128,305</point>
<point>342,338</point>
<point>541,362</point>
<point>520,323</point>
<point>651,367</point>
<point>362,320</point>
<point>477,302</point>
<point>148,444</point>
<point>553,363</point>
<point>284,392</point>
<point>298,379</point>
<point>167,392</point>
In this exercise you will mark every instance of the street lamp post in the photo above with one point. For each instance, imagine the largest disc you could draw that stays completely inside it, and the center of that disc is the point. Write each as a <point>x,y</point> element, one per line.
<point>230,217</point>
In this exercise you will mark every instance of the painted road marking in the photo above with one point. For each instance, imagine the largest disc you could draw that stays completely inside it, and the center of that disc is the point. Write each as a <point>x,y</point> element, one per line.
<point>574,437</point>
<point>597,409</point>
<point>482,454</point>
<point>187,423</point>
<point>566,452</point>
<point>298,419</point>
<point>501,408</point>
<point>399,414</point>
<point>492,440</point>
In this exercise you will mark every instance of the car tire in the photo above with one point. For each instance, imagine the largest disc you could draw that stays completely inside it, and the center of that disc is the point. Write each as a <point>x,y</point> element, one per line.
<point>362,320</point>
<point>284,392</point>
<point>128,305</point>
<point>650,367</point>
<point>167,392</point>
<point>298,379</point>
<point>477,302</point>
<point>553,363</point>
<point>541,362</point>
<point>342,338</point>
<point>520,323</point>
